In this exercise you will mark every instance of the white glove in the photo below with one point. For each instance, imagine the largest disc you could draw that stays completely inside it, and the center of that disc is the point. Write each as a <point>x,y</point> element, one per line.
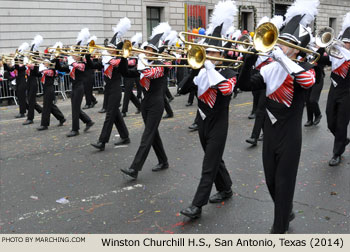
<point>42,67</point>
<point>209,65</point>
<point>141,62</point>
<point>289,65</point>
<point>70,60</point>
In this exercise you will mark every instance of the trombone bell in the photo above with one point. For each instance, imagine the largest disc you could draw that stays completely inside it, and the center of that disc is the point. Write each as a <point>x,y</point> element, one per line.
<point>196,57</point>
<point>265,37</point>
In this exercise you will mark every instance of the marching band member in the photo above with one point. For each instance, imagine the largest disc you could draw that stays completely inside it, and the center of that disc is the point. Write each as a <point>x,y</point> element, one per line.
<point>19,69</point>
<point>76,68</point>
<point>153,81</point>
<point>48,73</point>
<point>32,82</point>
<point>214,89</point>
<point>286,83</point>
<point>261,98</point>
<point>129,82</point>
<point>338,102</point>
<point>113,88</point>
<point>90,99</point>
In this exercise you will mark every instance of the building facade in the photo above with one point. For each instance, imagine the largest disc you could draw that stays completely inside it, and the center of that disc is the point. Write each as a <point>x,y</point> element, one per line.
<point>61,20</point>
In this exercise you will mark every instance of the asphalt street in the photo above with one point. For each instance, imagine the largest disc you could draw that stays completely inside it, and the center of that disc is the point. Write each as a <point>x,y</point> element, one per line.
<point>53,184</point>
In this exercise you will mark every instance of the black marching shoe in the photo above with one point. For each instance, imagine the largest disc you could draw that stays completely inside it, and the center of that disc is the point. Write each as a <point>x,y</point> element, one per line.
<point>317,119</point>
<point>253,141</point>
<point>308,124</point>
<point>99,145</point>
<point>42,128</point>
<point>160,166</point>
<point>171,98</point>
<point>61,123</point>
<point>102,111</point>
<point>131,172</point>
<point>192,212</point>
<point>20,115</point>
<point>72,133</point>
<point>88,126</point>
<point>138,111</point>
<point>122,141</point>
<point>335,160</point>
<point>87,106</point>
<point>290,218</point>
<point>193,127</point>
<point>27,122</point>
<point>123,114</point>
<point>220,196</point>
<point>168,116</point>
<point>251,116</point>
<point>188,104</point>
<point>261,137</point>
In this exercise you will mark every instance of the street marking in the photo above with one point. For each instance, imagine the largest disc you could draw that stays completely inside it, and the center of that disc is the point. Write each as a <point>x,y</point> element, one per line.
<point>75,203</point>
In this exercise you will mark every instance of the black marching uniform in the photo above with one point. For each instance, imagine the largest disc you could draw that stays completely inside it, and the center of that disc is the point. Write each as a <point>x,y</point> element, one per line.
<point>48,78</point>
<point>282,137</point>
<point>129,84</point>
<point>338,105</point>
<point>21,86</point>
<point>88,88</point>
<point>77,79</point>
<point>113,93</point>
<point>152,108</point>
<point>32,82</point>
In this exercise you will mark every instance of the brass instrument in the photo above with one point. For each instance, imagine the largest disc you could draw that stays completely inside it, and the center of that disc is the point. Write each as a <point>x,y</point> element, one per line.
<point>36,60</point>
<point>264,40</point>
<point>325,38</point>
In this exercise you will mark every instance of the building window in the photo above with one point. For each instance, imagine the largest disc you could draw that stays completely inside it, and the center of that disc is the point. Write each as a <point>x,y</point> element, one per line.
<point>333,24</point>
<point>153,18</point>
<point>281,9</point>
<point>247,21</point>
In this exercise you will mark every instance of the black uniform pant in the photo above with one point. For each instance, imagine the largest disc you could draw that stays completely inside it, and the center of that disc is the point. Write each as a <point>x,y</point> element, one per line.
<point>168,93</point>
<point>191,96</point>
<point>281,154</point>
<point>49,106</point>
<point>212,135</point>
<point>152,111</point>
<point>260,115</point>
<point>32,104</point>
<point>312,98</point>
<point>338,116</point>
<point>88,89</point>
<point>113,115</point>
<point>21,94</point>
<point>167,106</point>
<point>76,99</point>
<point>129,94</point>
<point>256,96</point>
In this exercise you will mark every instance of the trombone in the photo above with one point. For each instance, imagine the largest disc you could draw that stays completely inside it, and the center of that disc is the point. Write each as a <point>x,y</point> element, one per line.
<point>264,40</point>
<point>325,39</point>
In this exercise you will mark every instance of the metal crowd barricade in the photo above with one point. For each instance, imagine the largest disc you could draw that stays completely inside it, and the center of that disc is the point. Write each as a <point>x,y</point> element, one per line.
<point>7,91</point>
<point>99,82</point>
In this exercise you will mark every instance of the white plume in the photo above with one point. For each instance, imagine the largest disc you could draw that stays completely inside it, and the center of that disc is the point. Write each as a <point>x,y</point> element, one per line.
<point>38,39</point>
<point>161,28</point>
<point>94,38</point>
<point>230,31</point>
<point>122,27</point>
<point>83,36</point>
<point>137,38</point>
<point>172,37</point>
<point>56,45</point>
<point>278,21</point>
<point>236,34</point>
<point>346,22</point>
<point>224,12</point>
<point>23,47</point>
<point>263,20</point>
<point>308,8</point>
